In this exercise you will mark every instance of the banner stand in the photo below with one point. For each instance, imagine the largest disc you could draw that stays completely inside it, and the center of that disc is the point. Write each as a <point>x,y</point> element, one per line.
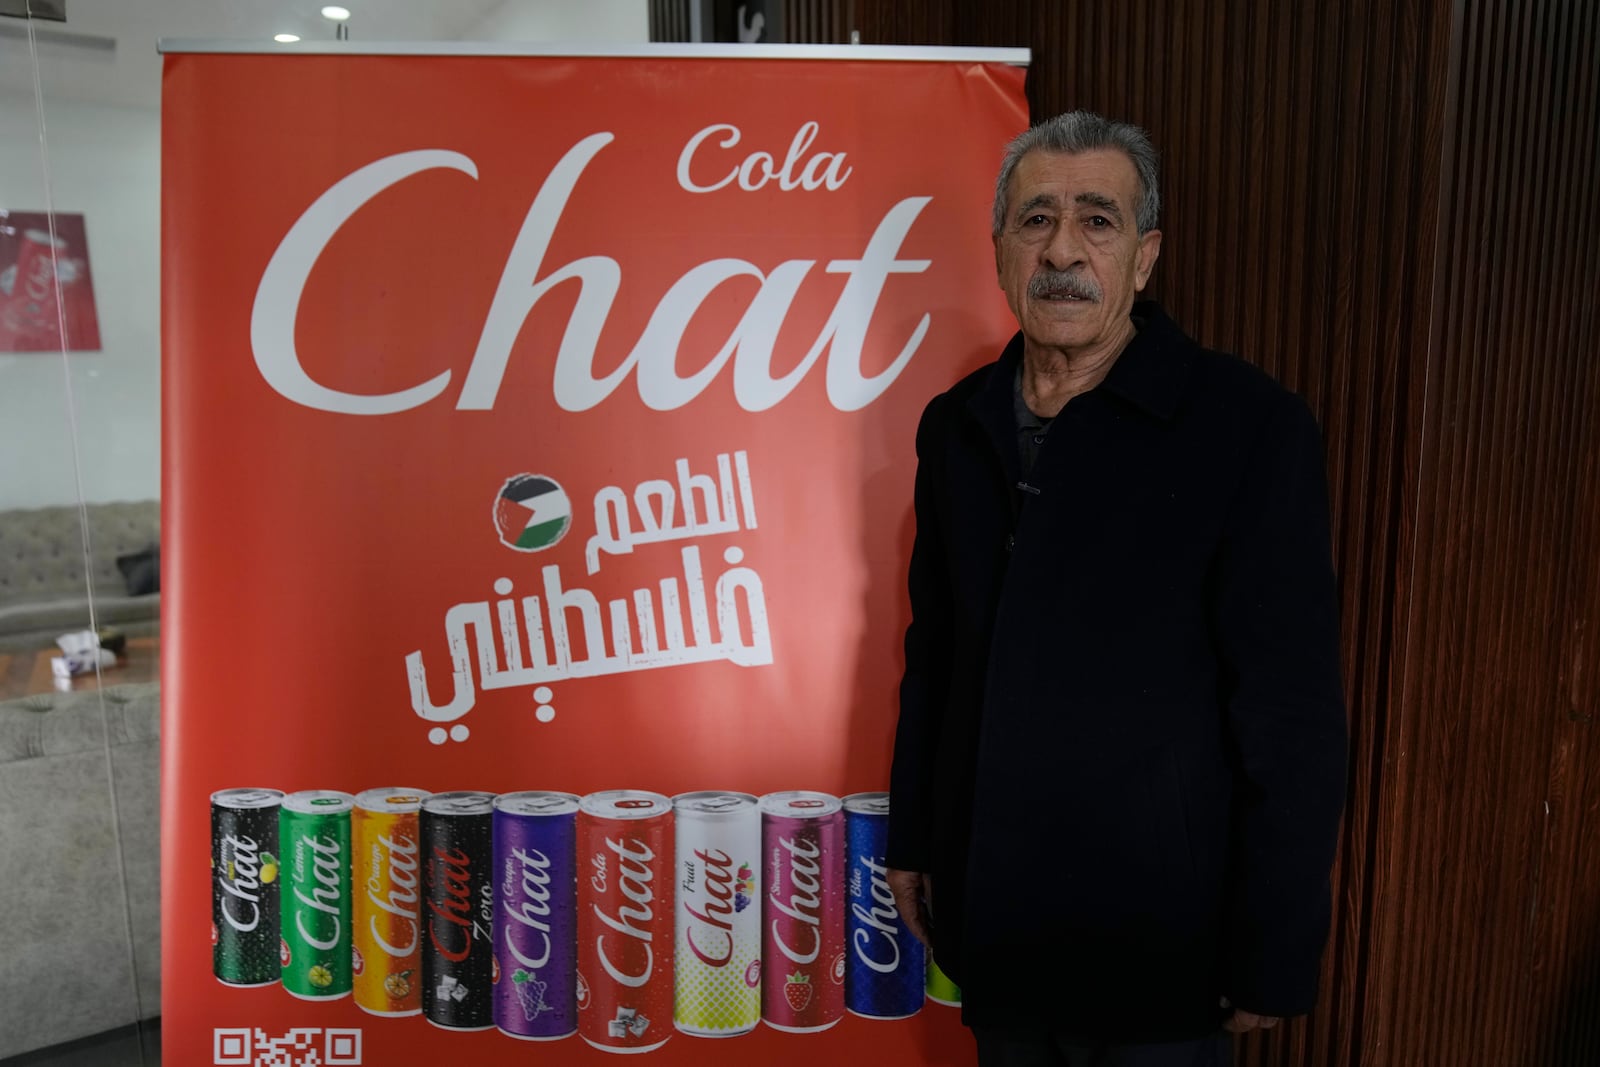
<point>538,446</point>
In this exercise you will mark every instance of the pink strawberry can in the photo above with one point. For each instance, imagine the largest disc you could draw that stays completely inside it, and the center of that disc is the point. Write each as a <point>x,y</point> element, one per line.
<point>802,936</point>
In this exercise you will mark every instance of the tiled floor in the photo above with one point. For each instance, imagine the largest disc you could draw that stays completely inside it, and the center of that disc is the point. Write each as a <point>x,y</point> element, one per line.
<point>129,1047</point>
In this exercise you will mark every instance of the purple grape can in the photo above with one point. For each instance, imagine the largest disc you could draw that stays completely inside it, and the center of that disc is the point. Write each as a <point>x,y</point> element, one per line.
<point>802,915</point>
<point>535,915</point>
<point>885,969</point>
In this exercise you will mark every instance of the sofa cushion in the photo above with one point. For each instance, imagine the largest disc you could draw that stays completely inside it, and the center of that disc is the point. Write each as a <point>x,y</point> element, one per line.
<point>42,549</point>
<point>42,622</point>
<point>85,833</point>
<point>59,724</point>
<point>141,571</point>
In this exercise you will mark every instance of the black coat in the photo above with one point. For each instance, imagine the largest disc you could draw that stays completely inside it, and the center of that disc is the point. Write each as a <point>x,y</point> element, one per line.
<point>1121,747</point>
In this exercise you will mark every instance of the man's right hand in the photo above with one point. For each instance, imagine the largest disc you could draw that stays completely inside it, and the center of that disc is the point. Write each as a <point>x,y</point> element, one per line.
<point>913,897</point>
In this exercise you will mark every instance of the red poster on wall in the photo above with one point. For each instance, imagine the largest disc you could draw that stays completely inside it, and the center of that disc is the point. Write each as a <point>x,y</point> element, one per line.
<point>45,284</point>
<point>538,448</point>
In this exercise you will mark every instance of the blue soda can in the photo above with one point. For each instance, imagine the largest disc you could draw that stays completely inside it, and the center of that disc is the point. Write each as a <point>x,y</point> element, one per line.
<point>535,915</point>
<point>885,974</point>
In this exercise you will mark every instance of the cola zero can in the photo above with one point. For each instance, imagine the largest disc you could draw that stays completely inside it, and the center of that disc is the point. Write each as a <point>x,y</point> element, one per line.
<point>802,936</point>
<point>535,931</point>
<point>315,951</point>
<point>458,911</point>
<point>244,886</point>
<point>717,948</point>
<point>625,920</point>
<point>884,972</point>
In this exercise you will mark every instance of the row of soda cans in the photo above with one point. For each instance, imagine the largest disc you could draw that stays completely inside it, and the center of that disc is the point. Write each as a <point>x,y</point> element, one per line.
<point>620,916</point>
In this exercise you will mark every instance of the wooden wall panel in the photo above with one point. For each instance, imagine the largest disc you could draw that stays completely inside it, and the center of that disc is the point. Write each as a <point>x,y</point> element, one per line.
<point>817,21</point>
<point>1492,923</point>
<point>669,21</point>
<point>1394,208</point>
<point>804,21</point>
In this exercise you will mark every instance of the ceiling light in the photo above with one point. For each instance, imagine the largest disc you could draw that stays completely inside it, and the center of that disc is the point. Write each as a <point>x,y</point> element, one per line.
<point>287,38</point>
<point>337,14</point>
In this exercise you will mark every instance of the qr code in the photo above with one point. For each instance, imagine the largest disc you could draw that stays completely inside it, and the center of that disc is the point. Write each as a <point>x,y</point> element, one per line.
<point>302,1047</point>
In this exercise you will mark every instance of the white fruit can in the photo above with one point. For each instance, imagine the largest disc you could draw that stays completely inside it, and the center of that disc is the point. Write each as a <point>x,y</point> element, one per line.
<point>717,975</point>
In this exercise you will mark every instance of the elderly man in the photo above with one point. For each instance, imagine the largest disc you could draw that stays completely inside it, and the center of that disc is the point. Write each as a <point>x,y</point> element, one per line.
<point>1119,766</point>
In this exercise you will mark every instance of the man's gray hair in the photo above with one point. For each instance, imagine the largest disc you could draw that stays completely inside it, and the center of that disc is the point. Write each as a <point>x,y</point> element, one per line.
<point>1084,131</point>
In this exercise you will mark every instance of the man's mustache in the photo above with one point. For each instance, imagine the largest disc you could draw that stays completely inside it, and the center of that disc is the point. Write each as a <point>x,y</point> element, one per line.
<point>1062,283</point>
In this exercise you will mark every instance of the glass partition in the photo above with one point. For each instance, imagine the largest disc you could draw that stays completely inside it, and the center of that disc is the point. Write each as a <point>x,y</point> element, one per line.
<point>79,494</point>
<point>80,482</point>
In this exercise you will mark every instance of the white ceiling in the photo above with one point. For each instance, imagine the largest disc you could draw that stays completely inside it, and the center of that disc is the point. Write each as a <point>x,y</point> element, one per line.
<point>129,74</point>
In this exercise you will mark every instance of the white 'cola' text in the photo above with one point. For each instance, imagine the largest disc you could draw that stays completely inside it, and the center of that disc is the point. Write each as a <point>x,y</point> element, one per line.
<point>654,358</point>
<point>825,170</point>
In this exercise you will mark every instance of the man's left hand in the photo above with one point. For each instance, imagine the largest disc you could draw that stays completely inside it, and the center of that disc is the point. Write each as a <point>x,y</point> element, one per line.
<point>1242,1022</point>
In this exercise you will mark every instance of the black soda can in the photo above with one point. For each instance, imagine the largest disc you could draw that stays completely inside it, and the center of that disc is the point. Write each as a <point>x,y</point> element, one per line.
<point>244,886</point>
<point>458,915</point>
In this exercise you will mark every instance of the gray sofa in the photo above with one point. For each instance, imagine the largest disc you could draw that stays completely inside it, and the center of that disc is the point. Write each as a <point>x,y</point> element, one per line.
<point>43,591</point>
<point>74,962</point>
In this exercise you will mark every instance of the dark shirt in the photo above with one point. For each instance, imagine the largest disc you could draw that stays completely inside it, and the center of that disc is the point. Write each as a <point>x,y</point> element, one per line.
<point>1031,428</point>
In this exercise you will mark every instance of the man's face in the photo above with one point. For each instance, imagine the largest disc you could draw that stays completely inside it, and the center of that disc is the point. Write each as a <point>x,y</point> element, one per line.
<point>1070,256</point>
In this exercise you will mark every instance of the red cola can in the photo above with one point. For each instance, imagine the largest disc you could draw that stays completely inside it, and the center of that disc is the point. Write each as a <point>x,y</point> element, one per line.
<point>457,910</point>
<point>625,920</point>
<point>802,929</point>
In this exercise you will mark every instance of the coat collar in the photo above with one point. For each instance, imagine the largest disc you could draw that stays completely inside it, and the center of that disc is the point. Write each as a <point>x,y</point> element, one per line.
<point>1152,373</point>
<point>991,406</point>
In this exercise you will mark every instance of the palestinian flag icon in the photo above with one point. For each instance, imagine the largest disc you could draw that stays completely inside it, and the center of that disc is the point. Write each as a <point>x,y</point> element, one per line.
<point>532,513</point>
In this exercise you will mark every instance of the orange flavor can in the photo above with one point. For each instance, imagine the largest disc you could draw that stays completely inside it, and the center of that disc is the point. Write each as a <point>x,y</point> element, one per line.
<point>385,910</point>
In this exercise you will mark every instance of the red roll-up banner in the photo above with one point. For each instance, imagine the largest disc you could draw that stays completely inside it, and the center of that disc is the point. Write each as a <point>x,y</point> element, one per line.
<point>546,424</point>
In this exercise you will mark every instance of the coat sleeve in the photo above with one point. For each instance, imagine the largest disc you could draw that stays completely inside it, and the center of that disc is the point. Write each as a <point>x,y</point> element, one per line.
<point>911,781</point>
<point>1278,633</point>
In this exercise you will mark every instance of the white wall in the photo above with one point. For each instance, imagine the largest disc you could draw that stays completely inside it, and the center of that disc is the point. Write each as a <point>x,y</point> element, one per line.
<point>104,164</point>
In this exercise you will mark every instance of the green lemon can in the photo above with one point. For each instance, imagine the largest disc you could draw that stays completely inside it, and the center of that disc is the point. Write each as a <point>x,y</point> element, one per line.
<point>941,990</point>
<point>314,851</point>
